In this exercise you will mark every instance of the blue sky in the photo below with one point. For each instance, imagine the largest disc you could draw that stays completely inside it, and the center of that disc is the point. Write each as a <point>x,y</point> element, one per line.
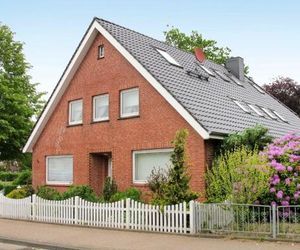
<point>265,33</point>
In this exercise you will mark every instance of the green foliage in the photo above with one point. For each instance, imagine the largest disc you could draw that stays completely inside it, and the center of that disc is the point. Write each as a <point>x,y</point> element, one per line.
<point>131,193</point>
<point>48,193</point>
<point>256,137</point>
<point>24,178</point>
<point>19,100</point>
<point>1,186</point>
<point>172,187</point>
<point>239,176</point>
<point>109,189</point>
<point>8,176</point>
<point>8,188</point>
<point>83,191</point>
<point>20,193</point>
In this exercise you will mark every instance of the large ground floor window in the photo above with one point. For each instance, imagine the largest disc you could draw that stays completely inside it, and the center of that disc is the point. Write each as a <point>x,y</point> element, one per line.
<point>145,161</point>
<point>59,170</point>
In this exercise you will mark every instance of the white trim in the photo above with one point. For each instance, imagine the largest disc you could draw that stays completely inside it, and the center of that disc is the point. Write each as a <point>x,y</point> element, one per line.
<point>168,57</point>
<point>121,102</point>
<point>280,116</point>
<point>208,71</point>
<point>269,113</point>
<point>94,108</point>
<point>101,51</point>
<point>242,106</point>
<point>70,112</point>
<point>256,109</point>
<point>109,166</point>
<point>59,182</point>
<point>73,66</point>
<point>163,150</point>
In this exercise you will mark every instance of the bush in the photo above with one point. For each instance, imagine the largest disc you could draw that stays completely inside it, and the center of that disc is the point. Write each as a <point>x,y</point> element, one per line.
<point>1,186</point>
<point>284,159</point>
<point>8,188</point>
<point>24,178</point>
<point>48,193</point>
<point>83,191</point>
<point>8,176</point>
<point>240,176</point>
<point>20,193</point>
<point>109,189</point>
<point>131,193</point>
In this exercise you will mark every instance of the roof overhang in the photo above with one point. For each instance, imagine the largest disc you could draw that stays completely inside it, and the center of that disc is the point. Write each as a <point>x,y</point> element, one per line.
<point>71,69</point>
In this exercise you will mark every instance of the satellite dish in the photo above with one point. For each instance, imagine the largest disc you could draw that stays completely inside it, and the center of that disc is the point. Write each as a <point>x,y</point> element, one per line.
<point>199,54</point>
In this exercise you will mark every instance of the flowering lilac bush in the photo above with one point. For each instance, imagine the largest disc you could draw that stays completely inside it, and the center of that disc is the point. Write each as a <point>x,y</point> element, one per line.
<point>284,158</point>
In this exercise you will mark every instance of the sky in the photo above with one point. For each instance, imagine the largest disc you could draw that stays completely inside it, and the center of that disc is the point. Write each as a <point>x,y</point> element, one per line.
<point>265,33</point>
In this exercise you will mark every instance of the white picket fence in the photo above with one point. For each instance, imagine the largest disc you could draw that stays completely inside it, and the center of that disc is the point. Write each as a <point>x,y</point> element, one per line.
<point>125,214</point>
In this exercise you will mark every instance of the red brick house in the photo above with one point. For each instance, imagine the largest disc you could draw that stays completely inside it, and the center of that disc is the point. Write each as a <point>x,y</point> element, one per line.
<point>120,101</point>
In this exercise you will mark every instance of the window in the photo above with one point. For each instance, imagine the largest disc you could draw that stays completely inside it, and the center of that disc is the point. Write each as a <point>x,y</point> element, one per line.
<point>242,106</point>
<point>145,161</point>
<point>169,58</point>
<point>101,108</point>
<point>258,88</point>
<point>256,109</point>
<point>59,170</point>
<point>101,51</point>
<point>207,70</point>
<point>280,116</point>
<point>75,112</point>
<point>233,78</point>
<point>222,76</point>
<point>129,102</point>
<point>269,113</point>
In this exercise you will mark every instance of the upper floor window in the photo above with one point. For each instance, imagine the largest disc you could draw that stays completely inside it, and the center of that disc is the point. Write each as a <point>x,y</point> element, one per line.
<point>129,102</point>
<point>75,112</point>
<point>100,51</point>
<point>101,107</point>
<point>169,58</point>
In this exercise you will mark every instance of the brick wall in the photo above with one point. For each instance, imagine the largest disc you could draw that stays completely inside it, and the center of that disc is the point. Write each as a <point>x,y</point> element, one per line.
<point>154,128</point>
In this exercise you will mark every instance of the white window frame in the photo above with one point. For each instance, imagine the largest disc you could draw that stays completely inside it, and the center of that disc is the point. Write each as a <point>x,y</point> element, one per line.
<point>168,57</point>
<point>57,183</point>
<point>256,109</point>
<point>269,113</point>
<point>134,153</point>
<point>70,112</point>
<point>101,51</point>
<point>222,75</point>
<point>258,88</point>
<point>95,119</point>
<point>242,106</point>
<point>121,102</point>
<point>208,71</point>
<point>280,116</point>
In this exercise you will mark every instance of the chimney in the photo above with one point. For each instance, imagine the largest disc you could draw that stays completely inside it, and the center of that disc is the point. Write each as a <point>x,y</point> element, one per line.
<point>236,66</point>
<point>199,54</point>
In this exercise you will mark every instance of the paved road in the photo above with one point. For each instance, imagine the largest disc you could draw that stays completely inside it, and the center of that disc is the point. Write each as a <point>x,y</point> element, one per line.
<point>92,238</point>
<point>7,246</point>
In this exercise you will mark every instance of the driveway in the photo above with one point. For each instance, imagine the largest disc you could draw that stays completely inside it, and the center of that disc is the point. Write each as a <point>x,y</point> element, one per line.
<point>52,236</point>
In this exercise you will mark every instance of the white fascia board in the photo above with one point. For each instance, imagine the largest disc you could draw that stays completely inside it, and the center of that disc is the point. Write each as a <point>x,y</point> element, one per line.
<point>73,66</point>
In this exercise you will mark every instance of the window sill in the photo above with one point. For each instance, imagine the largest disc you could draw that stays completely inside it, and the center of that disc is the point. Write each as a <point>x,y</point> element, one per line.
<point>74,125</point>
<point>93,122</point>
<point>59,184</point>
<point>128,117</point>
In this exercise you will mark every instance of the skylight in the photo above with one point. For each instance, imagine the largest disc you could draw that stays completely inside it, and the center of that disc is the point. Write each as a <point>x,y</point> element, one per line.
<point>280,116</point>
<point>258,88</point>
<point>169,58</point>
<point>242,106</point>
<point>208,71</point>
<point>222,75</point>
<point>269,113</point>
<point>256,109</point>
<point>237,81</point>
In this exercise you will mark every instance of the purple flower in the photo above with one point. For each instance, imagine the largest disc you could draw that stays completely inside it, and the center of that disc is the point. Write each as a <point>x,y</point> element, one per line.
<point>284,203</point>
<point>287,198</point>
<point>294,158</point>
<point>295,174</point>
<point>273,203</point>
<point>298,186</point>
<point>287,181</point>
<point>279,194</point>
<point>290,168</point>
<point>296,195</point>
<point>272,190</point>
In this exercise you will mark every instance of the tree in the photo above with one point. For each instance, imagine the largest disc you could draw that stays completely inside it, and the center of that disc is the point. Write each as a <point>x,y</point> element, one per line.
<point>287,91</point>
<point>251,138</point>
<point>19,99</point>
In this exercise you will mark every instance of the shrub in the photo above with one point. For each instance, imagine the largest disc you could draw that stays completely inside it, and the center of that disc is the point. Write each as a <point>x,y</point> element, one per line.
<point>20,193</point>
<point>131,193</point>
<point>240,176</point>
<point>24,178</point>
<point>157,182</point>
<point>83,191</point>
<point>251,138</point>
<point>8,188</point>
<point>8,176</point>
<point>109,189</point>
<point>1,186</point>
<point>48,193</point>
<point>284,159</point>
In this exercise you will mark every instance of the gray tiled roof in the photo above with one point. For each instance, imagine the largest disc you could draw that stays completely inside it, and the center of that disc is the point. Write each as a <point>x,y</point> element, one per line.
<point>209,102</point>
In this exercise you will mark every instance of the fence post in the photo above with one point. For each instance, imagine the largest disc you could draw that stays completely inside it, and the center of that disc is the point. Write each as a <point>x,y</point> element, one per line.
<point>76,207</point>
<point>33,204</point>
<point>192,217</point>
<point>274,221</point>
<point>127,213</point>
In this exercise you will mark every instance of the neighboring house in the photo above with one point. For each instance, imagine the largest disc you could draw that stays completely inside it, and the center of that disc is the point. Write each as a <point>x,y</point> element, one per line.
<point>122,97</point>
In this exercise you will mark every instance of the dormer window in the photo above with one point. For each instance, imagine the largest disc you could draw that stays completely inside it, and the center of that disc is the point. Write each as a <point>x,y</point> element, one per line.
<point>100,51</point>
<point>169,58</point>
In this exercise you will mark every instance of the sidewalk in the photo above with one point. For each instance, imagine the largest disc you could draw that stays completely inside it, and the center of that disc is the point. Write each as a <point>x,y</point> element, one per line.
<point>72,237</point>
